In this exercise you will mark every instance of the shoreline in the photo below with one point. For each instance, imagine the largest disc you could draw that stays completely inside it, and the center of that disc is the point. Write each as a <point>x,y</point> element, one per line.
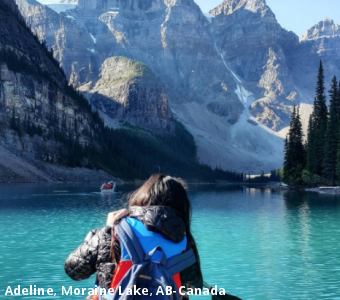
<point>325,190</point>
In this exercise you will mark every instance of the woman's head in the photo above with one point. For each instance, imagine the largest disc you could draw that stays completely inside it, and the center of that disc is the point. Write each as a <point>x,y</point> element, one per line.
<point>162,190</point>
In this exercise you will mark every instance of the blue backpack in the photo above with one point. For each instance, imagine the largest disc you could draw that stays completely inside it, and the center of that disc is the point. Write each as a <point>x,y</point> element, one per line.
<point>156,278</point>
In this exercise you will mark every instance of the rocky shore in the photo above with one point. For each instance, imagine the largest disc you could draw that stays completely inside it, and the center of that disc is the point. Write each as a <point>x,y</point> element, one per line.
<point>330,190</point>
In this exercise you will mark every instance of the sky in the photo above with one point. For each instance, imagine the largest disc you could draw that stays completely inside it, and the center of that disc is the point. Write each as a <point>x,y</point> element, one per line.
<point>294,15</point>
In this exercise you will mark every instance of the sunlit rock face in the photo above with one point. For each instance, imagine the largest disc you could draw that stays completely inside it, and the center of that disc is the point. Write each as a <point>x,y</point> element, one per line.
<point>129,90</point>
<point>325,29</point>
<point>254,45</point>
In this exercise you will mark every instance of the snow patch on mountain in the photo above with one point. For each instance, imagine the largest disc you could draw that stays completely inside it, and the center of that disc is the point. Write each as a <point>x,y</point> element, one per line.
<point>93,38</point>
<point>240,91</point>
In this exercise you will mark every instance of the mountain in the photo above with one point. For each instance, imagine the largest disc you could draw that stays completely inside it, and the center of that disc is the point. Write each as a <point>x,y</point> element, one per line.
<point>50,132</point>
<point>254,45</point>
<point>319,42</point>
<point>277,66</point>
<point>231,77</point>
<point>175,40</point>
<point>323,30</point>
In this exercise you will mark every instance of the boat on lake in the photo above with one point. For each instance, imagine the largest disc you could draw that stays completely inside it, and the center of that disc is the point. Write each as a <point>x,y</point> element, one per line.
<point>109,188</point>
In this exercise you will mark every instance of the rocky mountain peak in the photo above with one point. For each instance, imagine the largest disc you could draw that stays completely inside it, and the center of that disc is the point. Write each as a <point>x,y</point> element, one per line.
<point>145,6</point>
<point>324,29</point>
<point>228,7</point>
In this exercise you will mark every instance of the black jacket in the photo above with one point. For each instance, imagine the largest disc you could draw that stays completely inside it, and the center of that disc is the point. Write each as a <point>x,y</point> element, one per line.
<point>93,255</point>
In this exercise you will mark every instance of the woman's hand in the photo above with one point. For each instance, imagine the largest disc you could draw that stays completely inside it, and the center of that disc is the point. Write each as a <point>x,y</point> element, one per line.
<point>112,217</point>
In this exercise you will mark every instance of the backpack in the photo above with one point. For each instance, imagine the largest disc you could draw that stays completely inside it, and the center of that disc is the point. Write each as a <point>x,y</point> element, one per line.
<point>155,277</point>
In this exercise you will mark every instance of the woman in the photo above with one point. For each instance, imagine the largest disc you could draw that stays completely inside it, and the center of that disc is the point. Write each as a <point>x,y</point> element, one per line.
<point>159,212</point>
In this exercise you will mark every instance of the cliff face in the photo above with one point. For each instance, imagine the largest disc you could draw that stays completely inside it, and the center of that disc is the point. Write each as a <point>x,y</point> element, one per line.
<point>31,81</point>
<point>33,93</point>
<point>254,44</point>
<point>129,90</point>
<point>44,20</point>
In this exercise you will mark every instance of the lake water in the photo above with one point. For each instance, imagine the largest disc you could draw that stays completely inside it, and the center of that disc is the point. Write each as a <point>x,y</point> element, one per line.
<point>254,243</point>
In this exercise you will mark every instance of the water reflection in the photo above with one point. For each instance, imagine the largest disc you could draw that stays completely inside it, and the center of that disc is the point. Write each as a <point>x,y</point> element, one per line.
<point>298,198</point>
<point>313,223</point>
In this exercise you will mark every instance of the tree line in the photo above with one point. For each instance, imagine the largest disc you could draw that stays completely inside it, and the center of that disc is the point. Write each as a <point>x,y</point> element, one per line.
<point>316,161</point>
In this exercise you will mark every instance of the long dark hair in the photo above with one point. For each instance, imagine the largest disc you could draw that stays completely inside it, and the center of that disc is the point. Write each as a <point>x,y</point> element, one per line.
<point>160,190</point>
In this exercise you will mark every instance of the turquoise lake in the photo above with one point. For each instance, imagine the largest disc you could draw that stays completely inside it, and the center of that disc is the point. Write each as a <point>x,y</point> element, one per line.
<point>255,243</point>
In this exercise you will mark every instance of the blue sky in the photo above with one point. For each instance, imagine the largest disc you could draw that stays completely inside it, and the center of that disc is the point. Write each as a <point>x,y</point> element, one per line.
<point>295,15</point>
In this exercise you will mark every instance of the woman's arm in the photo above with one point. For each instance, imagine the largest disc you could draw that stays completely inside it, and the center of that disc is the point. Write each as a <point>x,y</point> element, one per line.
<point>94,253</point>
<point>81,263</point>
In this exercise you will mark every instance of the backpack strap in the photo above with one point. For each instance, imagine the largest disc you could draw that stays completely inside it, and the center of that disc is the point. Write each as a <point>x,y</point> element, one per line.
<point>180,262</point>
<point>149,256</point>
<point>130,242</point>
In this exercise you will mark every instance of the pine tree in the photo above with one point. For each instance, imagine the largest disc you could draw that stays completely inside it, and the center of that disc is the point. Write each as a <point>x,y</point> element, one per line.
<point>311,166</point>
<point>294,162</point>
<point>321,119</point>
<point>332,134</point>
<point>338,154</point>
<point>298,151</point>
<point>287,162</point>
